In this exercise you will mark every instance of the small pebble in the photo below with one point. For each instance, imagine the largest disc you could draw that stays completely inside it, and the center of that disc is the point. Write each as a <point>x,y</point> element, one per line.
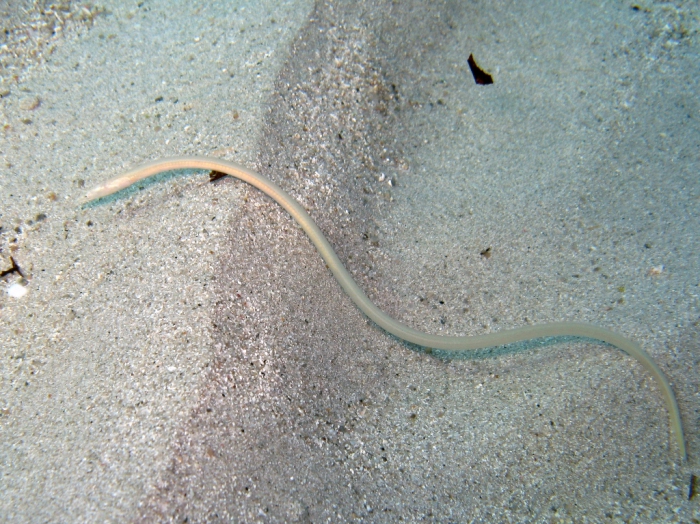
<point>657,270</point>
<point>30,104</point>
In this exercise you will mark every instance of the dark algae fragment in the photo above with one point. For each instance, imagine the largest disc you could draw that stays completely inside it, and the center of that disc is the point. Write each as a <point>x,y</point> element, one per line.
<point>481,77</point>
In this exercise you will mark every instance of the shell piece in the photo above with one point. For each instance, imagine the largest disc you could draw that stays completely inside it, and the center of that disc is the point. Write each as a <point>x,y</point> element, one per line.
<point>17,290</point>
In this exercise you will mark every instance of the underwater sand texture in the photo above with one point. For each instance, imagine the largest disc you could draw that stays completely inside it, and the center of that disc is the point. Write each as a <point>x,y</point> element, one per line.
<point>326,420</point>
<point>203,364</point>
<point>104,356</point>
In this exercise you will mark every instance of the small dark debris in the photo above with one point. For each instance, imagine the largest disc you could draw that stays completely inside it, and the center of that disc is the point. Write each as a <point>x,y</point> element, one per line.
<point>159,99</point>
<point>691,487</point>
<point>486,253</point>
<point>216,175</point>
<point>14,269</point>
<point>481,77</point>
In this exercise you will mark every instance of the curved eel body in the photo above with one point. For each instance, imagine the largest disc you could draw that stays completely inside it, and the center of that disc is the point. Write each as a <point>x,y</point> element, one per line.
<point>396,328</point>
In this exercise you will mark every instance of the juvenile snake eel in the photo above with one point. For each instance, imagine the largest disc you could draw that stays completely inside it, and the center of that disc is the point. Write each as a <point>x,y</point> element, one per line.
<point>447,343</point>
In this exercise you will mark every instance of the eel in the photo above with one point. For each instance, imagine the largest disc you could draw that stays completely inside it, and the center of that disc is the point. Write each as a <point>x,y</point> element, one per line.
<point>387,323</point>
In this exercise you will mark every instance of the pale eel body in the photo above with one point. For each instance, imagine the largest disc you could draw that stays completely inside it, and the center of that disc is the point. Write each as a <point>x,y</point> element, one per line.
<point>447,343</point>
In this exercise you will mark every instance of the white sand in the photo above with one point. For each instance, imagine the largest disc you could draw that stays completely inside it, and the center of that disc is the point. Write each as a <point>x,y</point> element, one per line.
<point>182,351</point>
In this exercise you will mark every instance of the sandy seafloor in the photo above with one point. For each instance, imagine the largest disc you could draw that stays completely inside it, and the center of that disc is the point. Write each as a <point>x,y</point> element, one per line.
<point>183,354</point>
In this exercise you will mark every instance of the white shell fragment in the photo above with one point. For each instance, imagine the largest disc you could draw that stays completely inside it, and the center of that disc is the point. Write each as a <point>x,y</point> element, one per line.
<point>17,290</point>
